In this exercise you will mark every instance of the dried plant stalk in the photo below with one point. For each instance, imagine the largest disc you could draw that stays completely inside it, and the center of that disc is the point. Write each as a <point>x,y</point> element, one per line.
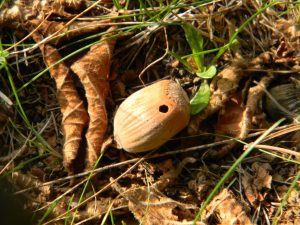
<point>93,70</point>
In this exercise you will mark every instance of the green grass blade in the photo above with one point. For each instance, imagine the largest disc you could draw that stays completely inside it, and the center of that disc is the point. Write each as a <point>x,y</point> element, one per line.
<point>284,200</point>
<point>1,4</point>
<point>24,116</point>
<point>233,39</point>
<point>144,8</point>
<point>48,212</point>
<point>233,167</point>
<point>87,184</point>
<point>182,61</point>
<point>68,210</point>
<point>111,217</point>
<point>127,4</point>
<point>195,40</point>
<point>117,4</point>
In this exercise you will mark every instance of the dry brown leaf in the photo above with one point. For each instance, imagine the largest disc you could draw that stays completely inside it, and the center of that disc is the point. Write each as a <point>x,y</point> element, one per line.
<point>250,192</point>
<point>201,184</point>
<point>79,124</point>
<point>63,32</point>
<point>238,120</point>
<point>170,173</point>
<point>75,117</point>
<point>151,207</point>
<point>227,209</point>
<point>253,185</point>
<point>262,179</point>
<point>13,13</point>
<point>102,206</point>
<point>93,70</point>
<point>230,117</point>
<point>24,181</point>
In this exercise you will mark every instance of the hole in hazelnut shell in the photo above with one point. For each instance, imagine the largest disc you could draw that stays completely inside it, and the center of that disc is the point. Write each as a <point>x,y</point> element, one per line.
<point>163,108</point>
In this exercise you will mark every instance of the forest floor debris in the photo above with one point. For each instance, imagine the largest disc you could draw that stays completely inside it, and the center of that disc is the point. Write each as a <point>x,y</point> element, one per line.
<point>67,65</point>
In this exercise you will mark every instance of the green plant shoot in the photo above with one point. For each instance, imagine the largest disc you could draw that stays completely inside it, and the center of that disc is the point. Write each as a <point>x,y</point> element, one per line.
<point>209,73</point>
<point>201,99</point>
<point>196,42</point>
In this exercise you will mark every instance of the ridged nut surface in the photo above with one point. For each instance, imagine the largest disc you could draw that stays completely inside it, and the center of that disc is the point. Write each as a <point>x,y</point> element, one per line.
<point>151,116</point>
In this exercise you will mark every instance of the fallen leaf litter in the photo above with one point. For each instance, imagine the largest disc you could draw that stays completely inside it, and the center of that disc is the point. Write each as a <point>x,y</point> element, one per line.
<point>146,192</point>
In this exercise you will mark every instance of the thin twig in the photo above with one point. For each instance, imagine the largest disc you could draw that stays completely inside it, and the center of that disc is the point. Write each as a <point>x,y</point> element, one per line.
<point>29,35</point>
<point>103,189</point>
<point>278,149</point>
<point>157,60</point>
<point>11,157</point>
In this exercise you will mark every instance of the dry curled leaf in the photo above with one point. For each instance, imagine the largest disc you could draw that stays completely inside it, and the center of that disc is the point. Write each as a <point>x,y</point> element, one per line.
<point>254,96</point>
<point>13,13</point>
<point>201,184</point>
<point>253,185</point>
<point>170,174</point>
<point>230,117</point>
<point>151,207</point>
<point>80,124</point>
<point>235,119</point>
<point>41,192</point>
<point>75,117</point>
<point>227,209</point>
<point>93,71</point>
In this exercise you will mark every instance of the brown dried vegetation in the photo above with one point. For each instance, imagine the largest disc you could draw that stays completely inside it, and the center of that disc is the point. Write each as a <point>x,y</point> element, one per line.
<point>93,71</point>
<point>91,74</point>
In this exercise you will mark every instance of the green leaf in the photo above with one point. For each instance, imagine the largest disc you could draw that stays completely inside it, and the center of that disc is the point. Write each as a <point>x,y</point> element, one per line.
<point>195,40</point>
<point>117,4</point>
<point>201,99</point>
<point>3,55</point>
<point>209,73</point>
<point>224,49</point>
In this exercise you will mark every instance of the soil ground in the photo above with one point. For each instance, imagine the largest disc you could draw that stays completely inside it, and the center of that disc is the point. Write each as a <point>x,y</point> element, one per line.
<point>66,66</point>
